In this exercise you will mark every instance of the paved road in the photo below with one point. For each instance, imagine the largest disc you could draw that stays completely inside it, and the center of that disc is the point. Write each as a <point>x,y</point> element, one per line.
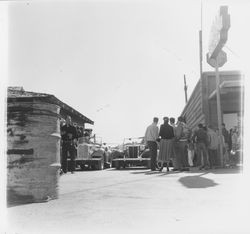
<point>139,201</point>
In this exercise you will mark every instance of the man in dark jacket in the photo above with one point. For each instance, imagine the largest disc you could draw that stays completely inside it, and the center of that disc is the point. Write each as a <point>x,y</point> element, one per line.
<point>69,141</point>
<point>201,139</point>
<point>166,135</point>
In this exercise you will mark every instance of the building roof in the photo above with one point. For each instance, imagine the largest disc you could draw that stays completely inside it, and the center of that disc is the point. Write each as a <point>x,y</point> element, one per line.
<point>18,94</point>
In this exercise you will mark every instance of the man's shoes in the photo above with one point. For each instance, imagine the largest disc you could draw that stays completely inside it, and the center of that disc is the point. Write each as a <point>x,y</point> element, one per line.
<point>72,172</point>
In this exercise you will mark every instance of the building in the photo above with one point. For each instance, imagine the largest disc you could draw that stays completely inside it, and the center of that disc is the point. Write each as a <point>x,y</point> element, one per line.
<point>202,105</point>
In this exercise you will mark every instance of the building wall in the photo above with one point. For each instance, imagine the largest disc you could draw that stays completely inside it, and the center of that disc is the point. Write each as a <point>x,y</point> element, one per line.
<point>201,109</point>
<point>193,109</point>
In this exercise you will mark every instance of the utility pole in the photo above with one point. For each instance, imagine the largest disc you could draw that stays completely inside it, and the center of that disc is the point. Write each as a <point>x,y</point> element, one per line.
<point>219,108</point>
<point>216,58</point>
<point>203,105</point>
<point>200,42</point>
<point>185,88</point>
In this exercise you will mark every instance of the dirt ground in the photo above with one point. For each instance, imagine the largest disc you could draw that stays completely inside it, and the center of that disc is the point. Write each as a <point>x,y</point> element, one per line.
<point>139,201</point>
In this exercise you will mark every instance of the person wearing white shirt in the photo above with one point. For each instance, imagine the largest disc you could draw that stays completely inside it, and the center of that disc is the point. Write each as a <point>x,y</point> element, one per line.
<point>151,136</point>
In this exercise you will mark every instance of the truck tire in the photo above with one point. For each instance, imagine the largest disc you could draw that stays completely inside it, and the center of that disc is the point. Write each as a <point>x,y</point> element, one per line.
<point>117,165</point>
<point>148,164</point>
<point>107,165</point>
<point>82,166</point>
<point>100,165</point>
<point>113,164</point>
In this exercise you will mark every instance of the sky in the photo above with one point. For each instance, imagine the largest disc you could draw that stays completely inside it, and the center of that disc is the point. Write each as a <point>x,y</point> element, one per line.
<point>120,63</point>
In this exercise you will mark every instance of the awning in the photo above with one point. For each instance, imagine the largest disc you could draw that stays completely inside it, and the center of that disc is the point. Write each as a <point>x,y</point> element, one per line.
<point>227,87</point>
<point>18,94</point>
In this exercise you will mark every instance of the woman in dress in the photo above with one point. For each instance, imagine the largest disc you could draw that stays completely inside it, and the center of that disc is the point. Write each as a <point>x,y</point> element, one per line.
<point>166,135</point>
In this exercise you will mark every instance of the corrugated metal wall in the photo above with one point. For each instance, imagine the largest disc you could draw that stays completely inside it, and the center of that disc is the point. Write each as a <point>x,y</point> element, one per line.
<point>193,110</point>
<point>201,109</point>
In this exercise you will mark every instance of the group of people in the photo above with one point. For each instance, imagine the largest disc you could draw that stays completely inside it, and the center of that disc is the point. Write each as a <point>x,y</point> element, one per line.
<point>176,143</point>
<point>185,148</point>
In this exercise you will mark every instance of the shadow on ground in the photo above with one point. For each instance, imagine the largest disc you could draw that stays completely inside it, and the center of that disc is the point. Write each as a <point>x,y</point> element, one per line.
<point>197,182</point>
<point>140,169</point>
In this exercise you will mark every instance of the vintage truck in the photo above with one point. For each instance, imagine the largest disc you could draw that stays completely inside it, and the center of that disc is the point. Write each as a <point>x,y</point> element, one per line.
<point>133,154</point>
<point>91,155</point>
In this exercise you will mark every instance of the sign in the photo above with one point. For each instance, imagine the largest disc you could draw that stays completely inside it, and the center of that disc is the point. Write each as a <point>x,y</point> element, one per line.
<point>221,57</point>
<point>219,32</point>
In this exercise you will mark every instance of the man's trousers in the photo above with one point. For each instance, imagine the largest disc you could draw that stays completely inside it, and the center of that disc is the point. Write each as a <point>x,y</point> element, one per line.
<point>68,148</point>
<point>152,145</point>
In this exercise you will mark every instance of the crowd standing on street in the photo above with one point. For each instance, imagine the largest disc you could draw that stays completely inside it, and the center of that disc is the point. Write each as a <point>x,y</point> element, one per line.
<point>184,148</point>
<point>173,144</point>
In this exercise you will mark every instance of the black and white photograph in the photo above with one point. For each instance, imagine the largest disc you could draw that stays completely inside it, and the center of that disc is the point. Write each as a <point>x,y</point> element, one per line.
<point>124,116</point>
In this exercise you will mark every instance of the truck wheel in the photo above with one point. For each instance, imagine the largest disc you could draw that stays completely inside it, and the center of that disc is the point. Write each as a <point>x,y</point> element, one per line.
<point>107,165</point>
<point>148,164</point>
<point>82,166</point>
<point>117,165</point>
<point>112,164</point>
<point>100,165</point>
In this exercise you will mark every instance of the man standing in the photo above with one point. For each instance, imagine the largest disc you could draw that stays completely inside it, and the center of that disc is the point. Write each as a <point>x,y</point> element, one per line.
<point>213,145</point>
<point>166,135</point>
<point>201,139</point>
<point>69,141</point>
<point>173,156</point>
<point>172,123</point>
<point>182,134</point>
<point>151,136</point>
<point>225,133</point>
<point>226,136</point>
